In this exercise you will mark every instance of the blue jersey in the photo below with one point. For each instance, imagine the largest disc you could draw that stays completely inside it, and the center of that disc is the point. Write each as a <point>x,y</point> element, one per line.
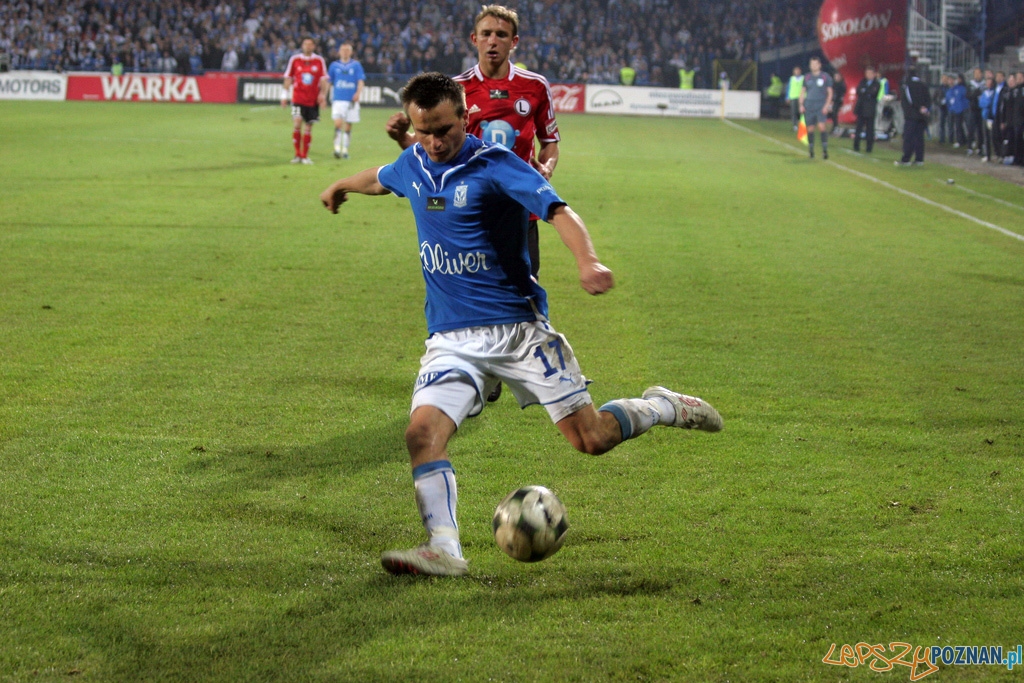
<point>471,218</point>
<point>345,77</point>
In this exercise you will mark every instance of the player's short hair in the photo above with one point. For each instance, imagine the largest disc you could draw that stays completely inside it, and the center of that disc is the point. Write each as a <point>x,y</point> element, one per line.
<point>499,12</point>
<point>428,90</point>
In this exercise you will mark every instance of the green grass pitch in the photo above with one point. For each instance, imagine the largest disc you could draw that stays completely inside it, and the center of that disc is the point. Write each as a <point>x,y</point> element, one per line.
<point>205,377</point>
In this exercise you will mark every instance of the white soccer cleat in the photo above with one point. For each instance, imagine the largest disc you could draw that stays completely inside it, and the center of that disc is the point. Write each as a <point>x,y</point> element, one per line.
<point>344,153</point>
<point>337,152</point>
<point>691,412</point>
<point>297,160</point>
<point>425,559</point>
<point>307,161</point>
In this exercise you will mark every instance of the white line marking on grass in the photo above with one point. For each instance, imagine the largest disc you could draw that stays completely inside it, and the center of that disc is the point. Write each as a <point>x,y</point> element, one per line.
<point>907,193</point>
<point>981,194</point>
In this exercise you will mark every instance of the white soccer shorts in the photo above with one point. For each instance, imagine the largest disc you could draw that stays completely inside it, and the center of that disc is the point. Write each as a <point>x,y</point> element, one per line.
<point>534,361</point>
<point>345,110</point>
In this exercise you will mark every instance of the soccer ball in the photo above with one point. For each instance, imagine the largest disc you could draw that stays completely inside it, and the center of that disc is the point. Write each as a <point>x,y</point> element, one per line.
<point>530,524</point>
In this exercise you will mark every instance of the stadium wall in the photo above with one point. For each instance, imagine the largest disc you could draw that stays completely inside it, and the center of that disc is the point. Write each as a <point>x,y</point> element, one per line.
<point>262,88</point>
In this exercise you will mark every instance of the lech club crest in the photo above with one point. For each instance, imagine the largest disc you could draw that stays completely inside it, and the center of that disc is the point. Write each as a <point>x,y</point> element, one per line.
<point>460,196</point>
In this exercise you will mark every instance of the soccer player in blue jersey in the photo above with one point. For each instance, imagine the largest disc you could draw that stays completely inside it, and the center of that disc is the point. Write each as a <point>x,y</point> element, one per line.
<point>487,317</point>
<point>347,81</point>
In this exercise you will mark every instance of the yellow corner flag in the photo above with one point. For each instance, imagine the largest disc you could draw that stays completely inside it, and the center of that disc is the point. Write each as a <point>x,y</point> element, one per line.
<point>801,131</point>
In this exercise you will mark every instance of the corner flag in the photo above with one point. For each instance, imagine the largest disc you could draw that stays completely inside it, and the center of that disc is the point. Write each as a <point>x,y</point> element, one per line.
<point>801,131</point>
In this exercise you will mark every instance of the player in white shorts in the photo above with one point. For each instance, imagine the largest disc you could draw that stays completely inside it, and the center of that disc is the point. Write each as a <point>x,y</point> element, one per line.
<point>347,81</point>
<point>462,366</point>
<point>487,317</point>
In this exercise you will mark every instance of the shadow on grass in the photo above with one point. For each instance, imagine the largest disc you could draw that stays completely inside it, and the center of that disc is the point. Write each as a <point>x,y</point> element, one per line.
<point>994,279</point>
<point>255,465</point>
<point>157,617</point>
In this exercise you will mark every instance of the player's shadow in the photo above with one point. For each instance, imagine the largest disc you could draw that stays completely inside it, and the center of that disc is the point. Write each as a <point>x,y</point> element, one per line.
<point>993,279</point>
<point>257,465</point>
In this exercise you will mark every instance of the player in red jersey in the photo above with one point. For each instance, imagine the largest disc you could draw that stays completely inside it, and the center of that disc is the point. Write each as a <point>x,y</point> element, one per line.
<point>306,79</point>
<point>507,105</point>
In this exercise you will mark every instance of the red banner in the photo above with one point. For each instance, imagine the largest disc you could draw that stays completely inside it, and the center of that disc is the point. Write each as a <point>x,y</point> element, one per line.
<point>855,34</point>
<point>569,98</point>
<point>214,87</point>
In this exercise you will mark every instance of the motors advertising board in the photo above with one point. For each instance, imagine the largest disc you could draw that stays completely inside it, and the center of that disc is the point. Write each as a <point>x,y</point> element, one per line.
<point>730,104</point>
<point>33,85</point>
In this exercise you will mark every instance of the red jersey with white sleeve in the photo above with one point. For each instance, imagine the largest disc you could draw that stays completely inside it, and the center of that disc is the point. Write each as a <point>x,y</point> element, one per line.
<point>306,74</point>
<point>510,111</point>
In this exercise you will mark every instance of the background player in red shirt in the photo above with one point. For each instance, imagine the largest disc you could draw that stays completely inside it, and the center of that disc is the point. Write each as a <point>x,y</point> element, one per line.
<point>306,78</point>
<point>507,105</point>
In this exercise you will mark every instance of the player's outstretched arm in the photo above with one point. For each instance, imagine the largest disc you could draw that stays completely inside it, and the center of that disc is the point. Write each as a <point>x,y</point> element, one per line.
<point>397,129</point>
<point>364,182</point>
<point>595,278</point>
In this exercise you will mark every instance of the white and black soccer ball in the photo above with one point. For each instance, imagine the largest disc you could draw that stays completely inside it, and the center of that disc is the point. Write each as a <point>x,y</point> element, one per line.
<point>530,524</point>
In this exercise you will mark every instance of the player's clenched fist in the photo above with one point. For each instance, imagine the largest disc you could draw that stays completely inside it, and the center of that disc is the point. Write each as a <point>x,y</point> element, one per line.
<point>397,126</point>
<point>596,279</point>
<point>333,197</point>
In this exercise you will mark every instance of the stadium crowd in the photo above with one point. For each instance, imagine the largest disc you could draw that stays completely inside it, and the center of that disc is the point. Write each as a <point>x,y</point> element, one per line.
<point>567,41</point>
<point>983,113</point>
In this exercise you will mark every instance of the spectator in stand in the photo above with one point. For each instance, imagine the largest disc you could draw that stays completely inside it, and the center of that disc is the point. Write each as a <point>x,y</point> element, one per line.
<point>578,41</point>
<point>306,79</point>
<point>167,63</point>
<point>230,60</point>
<point>956,107</point>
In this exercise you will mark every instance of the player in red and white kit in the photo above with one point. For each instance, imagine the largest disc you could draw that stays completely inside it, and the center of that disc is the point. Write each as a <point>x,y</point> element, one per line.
<point>306,79</point>
<point>506,105</point>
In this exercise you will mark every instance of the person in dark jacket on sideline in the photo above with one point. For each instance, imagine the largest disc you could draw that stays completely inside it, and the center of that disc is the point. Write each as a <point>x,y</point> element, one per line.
<point>865,108</point>
<point>916,102</point>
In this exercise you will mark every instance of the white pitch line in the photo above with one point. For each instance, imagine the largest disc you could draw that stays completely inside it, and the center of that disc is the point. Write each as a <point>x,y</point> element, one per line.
<point>907,193</point>
<point>981,194</point>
